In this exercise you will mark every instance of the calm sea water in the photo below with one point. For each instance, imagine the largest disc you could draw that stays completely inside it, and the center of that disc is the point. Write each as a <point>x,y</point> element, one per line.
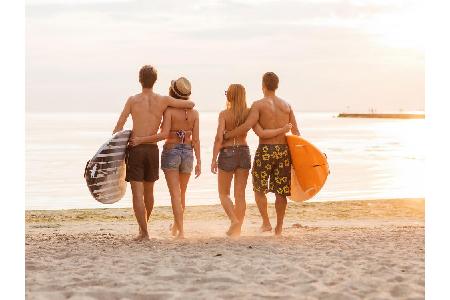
<point>369,159</point>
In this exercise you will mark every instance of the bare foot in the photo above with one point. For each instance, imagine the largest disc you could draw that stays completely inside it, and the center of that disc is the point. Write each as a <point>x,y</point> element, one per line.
<point>180,236</point>
<point>278,230</point>
<point>265,227</point>
<point>234,230</point>
<point>173,229</point>
<point>141,237</point>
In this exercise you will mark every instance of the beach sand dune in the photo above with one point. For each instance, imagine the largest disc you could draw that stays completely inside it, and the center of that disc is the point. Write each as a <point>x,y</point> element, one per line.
<point>333,250</point>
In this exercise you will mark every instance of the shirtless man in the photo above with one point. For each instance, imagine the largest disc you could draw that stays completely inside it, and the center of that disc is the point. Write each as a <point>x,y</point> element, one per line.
<point>146,109</point>
<point>271,170</point>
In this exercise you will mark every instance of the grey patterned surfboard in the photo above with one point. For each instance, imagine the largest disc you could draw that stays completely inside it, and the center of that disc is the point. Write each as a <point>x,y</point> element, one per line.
<point>105,171</point>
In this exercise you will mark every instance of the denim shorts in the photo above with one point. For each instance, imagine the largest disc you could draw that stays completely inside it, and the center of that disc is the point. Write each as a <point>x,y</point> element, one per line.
<point>234,157</point>
<point>178,157</point>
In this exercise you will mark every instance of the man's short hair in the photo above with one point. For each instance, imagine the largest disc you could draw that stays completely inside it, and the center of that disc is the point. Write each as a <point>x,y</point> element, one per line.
<point>270,81</point>
<point>147,76</point>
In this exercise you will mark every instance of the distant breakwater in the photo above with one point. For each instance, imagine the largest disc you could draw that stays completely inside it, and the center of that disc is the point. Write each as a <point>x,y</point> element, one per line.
<point>383,116</point>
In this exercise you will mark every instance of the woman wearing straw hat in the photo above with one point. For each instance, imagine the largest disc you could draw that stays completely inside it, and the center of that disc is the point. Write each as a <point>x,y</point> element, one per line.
<point>232,157</point>
<point>180,129</point>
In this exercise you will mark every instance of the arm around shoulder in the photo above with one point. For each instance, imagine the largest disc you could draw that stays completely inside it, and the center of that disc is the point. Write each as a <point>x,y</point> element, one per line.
<point>177,103</point>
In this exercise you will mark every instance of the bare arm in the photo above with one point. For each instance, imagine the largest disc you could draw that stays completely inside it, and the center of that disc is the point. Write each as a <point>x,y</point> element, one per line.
<point>176,103</point>
<point>196,144</point>
<point>218,142</point>
<point>161,135</point>
<point>249,123</point>
<point>269,133</point>
<point>123,116</point>
<point>293,121</point>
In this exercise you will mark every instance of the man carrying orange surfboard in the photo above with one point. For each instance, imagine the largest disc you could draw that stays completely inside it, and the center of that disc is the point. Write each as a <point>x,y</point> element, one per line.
<point>271,170</point>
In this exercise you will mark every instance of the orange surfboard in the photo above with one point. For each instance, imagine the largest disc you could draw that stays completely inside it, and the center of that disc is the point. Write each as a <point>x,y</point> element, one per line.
<point>309,168</point>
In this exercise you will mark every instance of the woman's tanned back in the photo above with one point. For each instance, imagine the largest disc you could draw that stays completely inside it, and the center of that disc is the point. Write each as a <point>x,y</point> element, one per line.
<point>230,125</point>
<point>179,122</point>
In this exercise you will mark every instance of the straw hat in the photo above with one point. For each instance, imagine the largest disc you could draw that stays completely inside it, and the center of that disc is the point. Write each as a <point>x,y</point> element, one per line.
<point>181,87</point>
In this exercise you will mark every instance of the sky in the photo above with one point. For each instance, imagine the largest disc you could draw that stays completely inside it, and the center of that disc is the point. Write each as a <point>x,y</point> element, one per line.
<point>353,55</point>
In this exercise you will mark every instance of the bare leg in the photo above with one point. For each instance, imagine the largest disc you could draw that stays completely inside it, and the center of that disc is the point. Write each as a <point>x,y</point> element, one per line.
<point>137,189</point>
<point>148,198</point>
<point>280,207</point>
<point>173,183</point>
<point>184,179</point>
<point>224,182</point>
<point>240,183</point>
<point>261,202</point>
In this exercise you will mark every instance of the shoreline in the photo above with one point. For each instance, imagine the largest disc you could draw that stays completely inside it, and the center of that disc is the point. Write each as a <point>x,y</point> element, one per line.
<point>382,116</point>
<point>218,204</point>
<point>165,212</point>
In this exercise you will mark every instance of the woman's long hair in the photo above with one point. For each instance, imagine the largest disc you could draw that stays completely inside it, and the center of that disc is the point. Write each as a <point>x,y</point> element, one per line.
<point>236,103</point>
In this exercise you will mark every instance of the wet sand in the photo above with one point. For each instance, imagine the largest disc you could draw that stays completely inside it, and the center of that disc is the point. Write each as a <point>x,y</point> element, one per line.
<point>330,250</point>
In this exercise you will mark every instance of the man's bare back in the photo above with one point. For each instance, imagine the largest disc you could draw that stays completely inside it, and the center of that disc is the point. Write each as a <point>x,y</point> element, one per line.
<point>270,112</point>
<point>147,109</point>
<point>146,112</point>
<point>273,113</point>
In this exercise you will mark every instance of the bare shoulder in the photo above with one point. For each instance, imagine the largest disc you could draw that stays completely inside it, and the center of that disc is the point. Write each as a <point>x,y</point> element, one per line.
<point>283,104</point>
<point>283,101</point>
<point>257,103</point>
<point>223,113</point>
<point>132,98</point>
<point>130,101</point>
<point>195,112</point>
<point>226,115</point>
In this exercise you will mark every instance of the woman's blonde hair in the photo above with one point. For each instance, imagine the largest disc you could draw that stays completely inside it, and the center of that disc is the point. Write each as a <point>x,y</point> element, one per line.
<point>236,103</point>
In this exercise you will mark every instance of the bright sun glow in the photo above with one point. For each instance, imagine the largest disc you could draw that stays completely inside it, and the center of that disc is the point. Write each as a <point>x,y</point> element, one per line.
<point>402,29</point>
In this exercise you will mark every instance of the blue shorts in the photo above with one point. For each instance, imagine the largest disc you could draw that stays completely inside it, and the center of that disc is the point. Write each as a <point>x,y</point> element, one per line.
<point>179,157</point>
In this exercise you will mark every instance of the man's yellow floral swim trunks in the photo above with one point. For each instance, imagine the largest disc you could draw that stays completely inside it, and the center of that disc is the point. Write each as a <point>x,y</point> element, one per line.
<point>271,170</point>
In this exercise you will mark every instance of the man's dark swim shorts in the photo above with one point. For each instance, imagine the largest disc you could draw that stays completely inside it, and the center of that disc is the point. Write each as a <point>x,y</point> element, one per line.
<point>143,163</point>
<point>272,169</point>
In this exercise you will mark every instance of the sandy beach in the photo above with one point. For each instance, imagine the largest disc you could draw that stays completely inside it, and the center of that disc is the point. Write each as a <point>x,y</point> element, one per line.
<point>330,250</point>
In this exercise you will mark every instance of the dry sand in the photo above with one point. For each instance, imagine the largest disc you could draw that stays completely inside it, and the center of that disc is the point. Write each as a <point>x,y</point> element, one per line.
<point>334,250</point>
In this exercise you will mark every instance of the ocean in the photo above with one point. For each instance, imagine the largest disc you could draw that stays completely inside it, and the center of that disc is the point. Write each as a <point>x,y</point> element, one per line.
<point>368,158</point>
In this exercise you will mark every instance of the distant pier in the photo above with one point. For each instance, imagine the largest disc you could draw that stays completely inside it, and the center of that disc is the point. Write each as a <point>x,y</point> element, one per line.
<point>383,116</point>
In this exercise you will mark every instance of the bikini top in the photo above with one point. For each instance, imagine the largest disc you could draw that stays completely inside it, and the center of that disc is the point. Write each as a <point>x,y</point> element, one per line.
<point>181,133</point>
